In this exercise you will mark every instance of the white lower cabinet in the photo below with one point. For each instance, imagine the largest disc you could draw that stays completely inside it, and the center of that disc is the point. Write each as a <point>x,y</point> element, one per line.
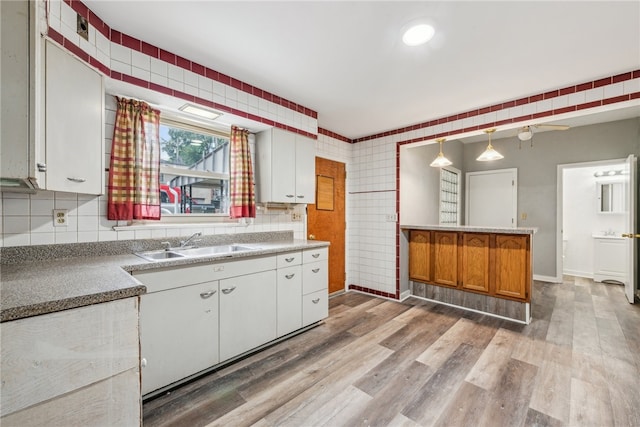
<point>289,297</point>
<point>610,259</point>
<point>197,316</point>
<point>178,333</point>
<point>247,313</point>
<point>315,285</point>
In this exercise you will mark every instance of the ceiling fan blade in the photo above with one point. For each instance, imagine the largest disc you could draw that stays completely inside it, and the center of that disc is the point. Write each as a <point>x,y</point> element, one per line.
<point>553,127</point>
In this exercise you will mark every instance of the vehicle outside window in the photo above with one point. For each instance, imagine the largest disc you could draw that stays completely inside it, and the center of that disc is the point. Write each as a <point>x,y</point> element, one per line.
<point>194,170</point>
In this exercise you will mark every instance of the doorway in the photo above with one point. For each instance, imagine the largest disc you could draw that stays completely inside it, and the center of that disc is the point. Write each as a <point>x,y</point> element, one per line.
<point>326,218</point>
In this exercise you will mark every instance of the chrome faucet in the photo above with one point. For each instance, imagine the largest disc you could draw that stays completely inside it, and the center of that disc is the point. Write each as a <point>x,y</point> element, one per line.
<point>184,243</point>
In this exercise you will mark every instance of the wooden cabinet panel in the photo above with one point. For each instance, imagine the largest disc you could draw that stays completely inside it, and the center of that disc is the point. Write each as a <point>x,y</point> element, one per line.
<point>445,258</point>
<point>475,262</point>
<point>512,278</point>
<point>419,255</point>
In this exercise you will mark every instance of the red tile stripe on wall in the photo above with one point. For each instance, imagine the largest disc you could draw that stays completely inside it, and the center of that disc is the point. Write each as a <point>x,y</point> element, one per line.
<point>527,100</point>
<point>334,135</point>
<point>373,291</point>
<point>155,52</point>
<point>67,44</point>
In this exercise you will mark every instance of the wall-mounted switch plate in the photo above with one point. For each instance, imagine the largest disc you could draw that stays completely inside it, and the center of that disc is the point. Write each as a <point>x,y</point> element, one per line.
<point>59,217</point>
<point>391,217</point>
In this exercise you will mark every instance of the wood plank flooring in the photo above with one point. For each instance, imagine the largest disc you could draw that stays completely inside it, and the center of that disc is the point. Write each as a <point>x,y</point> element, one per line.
<point>376,362</point>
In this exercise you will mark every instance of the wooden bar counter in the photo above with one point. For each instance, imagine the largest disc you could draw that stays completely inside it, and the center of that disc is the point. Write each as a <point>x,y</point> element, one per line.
<point>484,269</point>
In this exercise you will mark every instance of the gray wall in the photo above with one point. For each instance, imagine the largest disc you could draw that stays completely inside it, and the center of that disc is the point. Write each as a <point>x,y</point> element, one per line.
<point>420,183</point>
<point>537,172</point>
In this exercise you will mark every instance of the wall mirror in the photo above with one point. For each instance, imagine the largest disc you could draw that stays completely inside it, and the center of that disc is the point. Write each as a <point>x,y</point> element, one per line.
<point>610,197</point>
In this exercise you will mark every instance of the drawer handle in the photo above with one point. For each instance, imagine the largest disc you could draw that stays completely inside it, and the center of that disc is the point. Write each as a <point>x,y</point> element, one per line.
<point>290,259</point>
<point>300,197</point>
<point>70,178</point>
<point>205,295</point>
<point>315,270</point>
<point>228,290</point>
<point>315,301</point>
<point>289,195</point>
<point>290,276</point>
<point>315,255</point>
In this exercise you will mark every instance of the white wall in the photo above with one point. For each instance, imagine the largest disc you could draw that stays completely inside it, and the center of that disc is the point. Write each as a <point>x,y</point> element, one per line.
<point>581,219</point>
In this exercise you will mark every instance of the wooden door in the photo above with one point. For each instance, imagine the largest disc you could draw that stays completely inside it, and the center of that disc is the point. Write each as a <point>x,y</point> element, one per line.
<point>512,266</point>
<point>326,218</point>
<point>419,255</point>
<point>445,258</point>
<point>475,262</point>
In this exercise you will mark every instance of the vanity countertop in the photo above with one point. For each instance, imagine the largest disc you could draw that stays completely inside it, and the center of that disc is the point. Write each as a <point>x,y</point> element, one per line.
<point>34,283</point>
<point>603,236</point>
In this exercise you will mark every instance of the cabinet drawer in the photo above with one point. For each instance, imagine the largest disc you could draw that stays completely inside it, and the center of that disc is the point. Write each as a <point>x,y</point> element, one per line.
<point>314,255</point>
<point>315,277</point>
<point>315,307</point>
<point>288,259</point>
<point>173,277</point>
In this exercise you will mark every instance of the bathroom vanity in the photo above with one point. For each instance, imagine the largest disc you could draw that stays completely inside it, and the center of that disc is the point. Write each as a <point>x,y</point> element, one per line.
<point>609,258</point>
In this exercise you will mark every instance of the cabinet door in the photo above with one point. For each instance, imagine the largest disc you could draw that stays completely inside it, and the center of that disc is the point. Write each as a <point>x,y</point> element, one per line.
<point>305,170</point>
<point>475,262</point>
<point>512,266</point>
<point>178,333</point>
<point>289,300</point>
<point>419,255</point>
<point>315,307</point>
<point>283,167</point>
<point>247,313</point>
<point>74,100</point>
<point>445,258</point>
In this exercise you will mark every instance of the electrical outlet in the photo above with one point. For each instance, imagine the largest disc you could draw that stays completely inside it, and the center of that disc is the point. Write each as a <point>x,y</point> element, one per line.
<point>391,217</point>
<point>296,216</point>
<point>523,216</point>
<point>59,217</point>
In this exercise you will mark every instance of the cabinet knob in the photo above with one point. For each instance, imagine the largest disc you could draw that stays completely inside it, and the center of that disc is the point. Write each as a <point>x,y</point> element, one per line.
<point>315,301</point>
<point>315,270</point>
<point>205,295</point>
<point>290,276</point>
<point>228,290</point>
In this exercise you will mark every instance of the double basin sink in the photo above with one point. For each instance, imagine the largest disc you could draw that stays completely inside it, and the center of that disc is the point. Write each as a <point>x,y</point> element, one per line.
<point>192,252</point>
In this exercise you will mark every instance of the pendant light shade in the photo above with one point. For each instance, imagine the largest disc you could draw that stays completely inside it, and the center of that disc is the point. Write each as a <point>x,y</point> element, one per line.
<point>490,153</point>
<point>441,160</point>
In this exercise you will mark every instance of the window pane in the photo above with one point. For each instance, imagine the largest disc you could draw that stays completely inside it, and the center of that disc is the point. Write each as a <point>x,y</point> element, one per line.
<point>194,170</point>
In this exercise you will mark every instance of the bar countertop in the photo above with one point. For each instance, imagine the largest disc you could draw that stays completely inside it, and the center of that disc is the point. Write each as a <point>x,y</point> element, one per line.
<point>473,229</point>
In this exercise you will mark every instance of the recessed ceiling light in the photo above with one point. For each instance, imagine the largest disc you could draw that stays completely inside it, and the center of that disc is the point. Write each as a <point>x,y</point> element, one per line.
<point>418,34</point>
<point>199,111</point>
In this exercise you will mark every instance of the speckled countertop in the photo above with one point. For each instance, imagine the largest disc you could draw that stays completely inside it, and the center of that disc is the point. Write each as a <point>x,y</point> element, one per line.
<point>472,229</point>
<point>44,279</point>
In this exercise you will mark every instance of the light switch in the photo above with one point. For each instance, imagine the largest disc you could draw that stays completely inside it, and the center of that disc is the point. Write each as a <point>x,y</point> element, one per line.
<point>59,217</point>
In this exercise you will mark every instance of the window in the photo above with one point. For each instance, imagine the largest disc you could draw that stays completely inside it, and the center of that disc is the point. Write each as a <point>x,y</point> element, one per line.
<point>194,170</point>
<point>449,196</point>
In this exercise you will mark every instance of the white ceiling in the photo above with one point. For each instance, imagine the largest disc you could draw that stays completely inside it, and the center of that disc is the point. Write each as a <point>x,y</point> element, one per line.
<point>346,60</point>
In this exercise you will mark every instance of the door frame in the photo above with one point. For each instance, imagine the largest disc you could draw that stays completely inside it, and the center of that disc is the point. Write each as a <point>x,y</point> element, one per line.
<point>559,205</point>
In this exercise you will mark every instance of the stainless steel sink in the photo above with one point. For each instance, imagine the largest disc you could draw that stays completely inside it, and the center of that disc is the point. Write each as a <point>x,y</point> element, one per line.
<point>159,255</point>
<point>214,250</point>
<point>194,252</point>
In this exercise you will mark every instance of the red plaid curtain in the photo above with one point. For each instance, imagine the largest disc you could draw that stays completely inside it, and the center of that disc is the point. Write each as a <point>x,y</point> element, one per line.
<point>241,190</point>
<point>134,172</point>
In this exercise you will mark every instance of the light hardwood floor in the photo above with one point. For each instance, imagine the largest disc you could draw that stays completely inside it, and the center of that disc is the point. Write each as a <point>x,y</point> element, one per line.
<point>376,362</point>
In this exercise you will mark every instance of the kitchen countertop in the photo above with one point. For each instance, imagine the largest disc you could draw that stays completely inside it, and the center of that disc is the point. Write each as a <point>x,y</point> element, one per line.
<point>42,286</point>
<point>473,229</point>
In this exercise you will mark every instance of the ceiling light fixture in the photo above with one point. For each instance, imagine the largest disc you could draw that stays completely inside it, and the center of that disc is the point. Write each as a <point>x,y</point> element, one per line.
<point>201,112</point>
<point>418,34</point>
<point>490,153</point>
<point>441,160</point>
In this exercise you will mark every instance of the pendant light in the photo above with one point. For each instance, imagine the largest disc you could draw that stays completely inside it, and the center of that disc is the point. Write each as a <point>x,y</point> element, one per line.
<point>441,160</point>
<point>490,153</point>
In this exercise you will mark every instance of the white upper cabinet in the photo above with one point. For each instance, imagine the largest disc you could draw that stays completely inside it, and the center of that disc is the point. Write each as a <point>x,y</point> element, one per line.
<point>285,167</point>
<point>74,110</point>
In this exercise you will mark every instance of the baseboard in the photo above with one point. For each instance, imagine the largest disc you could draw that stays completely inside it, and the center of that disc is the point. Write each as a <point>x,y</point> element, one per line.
<point>406,294</point>
<point>578,273</point>
<point>549,279</point>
